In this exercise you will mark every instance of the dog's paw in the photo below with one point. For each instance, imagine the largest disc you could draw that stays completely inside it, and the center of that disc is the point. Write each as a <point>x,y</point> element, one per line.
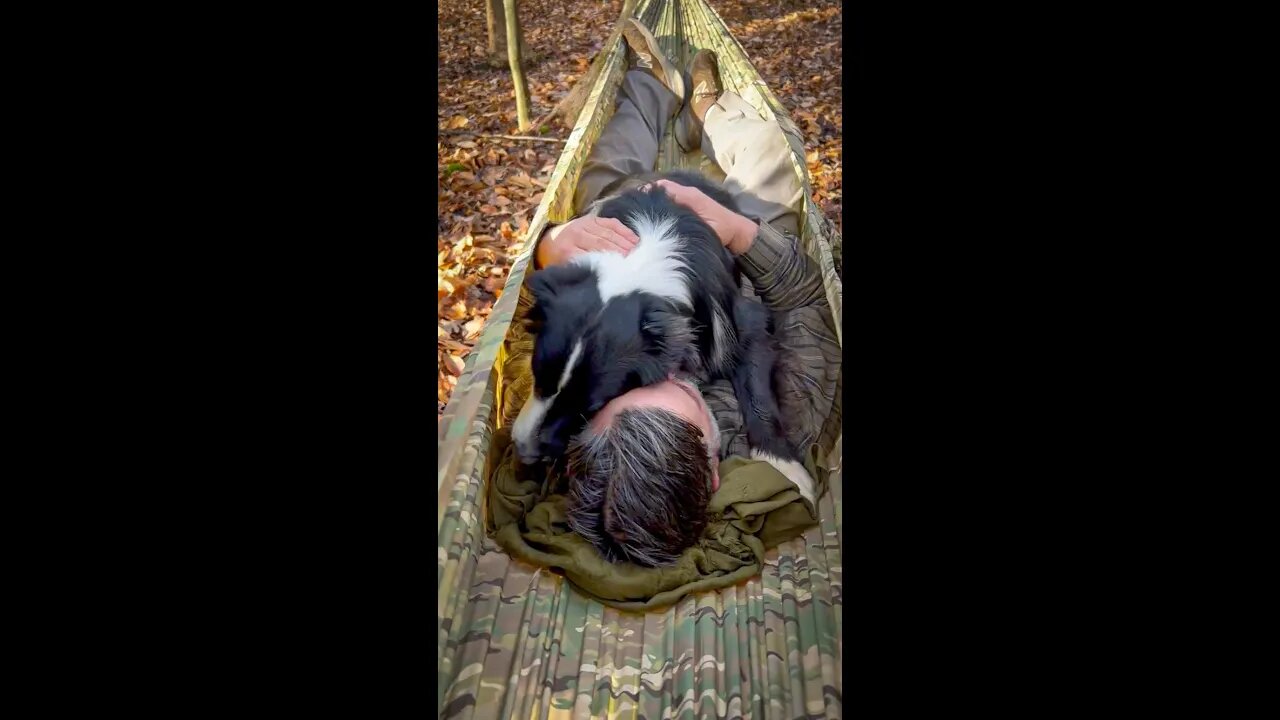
<point>793,471</point>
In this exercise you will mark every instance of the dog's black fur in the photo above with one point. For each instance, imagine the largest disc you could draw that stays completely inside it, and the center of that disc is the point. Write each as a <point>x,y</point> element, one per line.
<point>640,338</point>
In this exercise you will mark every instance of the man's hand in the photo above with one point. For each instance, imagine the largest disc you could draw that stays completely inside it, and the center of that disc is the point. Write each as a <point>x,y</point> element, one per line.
<point>584,234</point>
<point>736,232</point>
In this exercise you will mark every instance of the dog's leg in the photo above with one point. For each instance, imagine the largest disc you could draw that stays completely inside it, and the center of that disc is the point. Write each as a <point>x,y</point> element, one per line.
<point>752,383</point>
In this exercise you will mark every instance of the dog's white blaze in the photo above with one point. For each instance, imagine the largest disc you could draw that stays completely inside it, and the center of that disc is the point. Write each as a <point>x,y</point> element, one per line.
<point>530,419</point>
<point>569,365</point>
<point>794,472</point>
<point>652,267</point>
<point>527,423</point>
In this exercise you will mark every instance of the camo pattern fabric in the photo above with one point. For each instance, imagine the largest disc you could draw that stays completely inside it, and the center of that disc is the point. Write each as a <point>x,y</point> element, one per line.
<point>516,641</point>
<point>524,644</point>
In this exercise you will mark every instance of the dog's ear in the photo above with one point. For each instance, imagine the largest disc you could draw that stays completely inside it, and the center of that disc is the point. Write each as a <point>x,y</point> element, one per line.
<point>663,326</point>
<point>543,286</point>
<point>547,284</point>
<point>649,370</point>
<point>668,338</point>
<point>654,323</point>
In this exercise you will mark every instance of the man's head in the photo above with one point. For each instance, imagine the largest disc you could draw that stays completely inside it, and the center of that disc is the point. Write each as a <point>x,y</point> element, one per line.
<point>642,472</point>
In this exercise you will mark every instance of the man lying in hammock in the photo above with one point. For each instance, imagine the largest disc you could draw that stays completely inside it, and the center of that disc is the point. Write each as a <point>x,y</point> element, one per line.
<point>703,424</point>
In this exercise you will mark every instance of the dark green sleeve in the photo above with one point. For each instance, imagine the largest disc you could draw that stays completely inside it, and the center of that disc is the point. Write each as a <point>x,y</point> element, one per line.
<point>784,276</point>
<point>789,282</point>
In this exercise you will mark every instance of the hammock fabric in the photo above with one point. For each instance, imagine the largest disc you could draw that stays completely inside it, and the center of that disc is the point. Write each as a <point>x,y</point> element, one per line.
<point>516,640</point>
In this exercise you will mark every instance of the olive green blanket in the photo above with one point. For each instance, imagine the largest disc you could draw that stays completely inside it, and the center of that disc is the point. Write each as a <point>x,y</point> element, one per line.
<point>755,508</point>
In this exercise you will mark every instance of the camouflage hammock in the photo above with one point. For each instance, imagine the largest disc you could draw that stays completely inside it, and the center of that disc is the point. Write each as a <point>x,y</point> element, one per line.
<point>516,641</point>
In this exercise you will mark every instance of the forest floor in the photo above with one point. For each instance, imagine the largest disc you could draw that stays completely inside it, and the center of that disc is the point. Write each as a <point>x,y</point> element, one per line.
<point>489,187</point>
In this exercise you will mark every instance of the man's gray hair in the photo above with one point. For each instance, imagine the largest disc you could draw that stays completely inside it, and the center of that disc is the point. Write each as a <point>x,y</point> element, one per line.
<point>638,489</point>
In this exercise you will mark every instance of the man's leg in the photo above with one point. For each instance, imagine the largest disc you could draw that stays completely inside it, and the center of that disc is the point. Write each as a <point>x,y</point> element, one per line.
<point>652,91</point>
<point>628,145</point>
<point>755,155</point>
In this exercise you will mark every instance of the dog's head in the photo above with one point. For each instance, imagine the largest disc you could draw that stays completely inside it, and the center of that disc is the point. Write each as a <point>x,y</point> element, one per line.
<point>588,352</point>
<point>565,302</point>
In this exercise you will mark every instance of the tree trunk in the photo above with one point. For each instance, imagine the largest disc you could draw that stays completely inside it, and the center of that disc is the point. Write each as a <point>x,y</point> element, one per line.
<point>514,37</point>
<point>493,23</point>
<point>496,18</point>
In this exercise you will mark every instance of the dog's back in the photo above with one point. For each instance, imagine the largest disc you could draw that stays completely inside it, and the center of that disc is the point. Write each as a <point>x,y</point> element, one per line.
<point>702,274</point>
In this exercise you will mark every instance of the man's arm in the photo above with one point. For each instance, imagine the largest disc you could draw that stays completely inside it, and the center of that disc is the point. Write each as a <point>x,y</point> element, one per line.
<point>784,277</point>
<point>583,234</point>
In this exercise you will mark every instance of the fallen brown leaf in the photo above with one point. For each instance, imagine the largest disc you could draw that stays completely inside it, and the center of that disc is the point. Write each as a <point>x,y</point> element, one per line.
<point>451,364</point>
<point>472,328</point>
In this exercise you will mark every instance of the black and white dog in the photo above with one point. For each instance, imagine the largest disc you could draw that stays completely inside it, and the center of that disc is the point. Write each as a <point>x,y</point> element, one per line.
<point>607,323</point>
